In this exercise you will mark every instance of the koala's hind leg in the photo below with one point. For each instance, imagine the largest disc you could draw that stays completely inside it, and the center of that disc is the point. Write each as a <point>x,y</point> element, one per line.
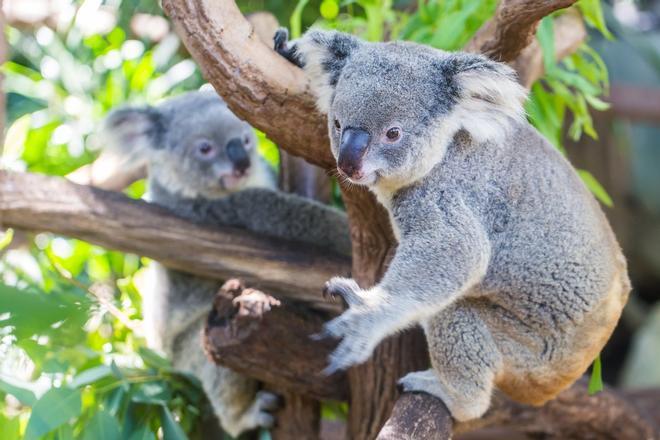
<point>465,362</point>
<point>235,398</point>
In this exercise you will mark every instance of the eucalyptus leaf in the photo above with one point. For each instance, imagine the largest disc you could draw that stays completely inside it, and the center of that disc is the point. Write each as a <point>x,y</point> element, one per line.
<point>103,426</point>
<point>56,407</point>
<point>171,429</point>
<point>596,188</point>
<point>21,393</point>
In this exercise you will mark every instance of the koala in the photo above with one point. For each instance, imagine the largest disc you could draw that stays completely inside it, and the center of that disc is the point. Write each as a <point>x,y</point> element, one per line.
<point>504,257</point>
<point>203,165</point>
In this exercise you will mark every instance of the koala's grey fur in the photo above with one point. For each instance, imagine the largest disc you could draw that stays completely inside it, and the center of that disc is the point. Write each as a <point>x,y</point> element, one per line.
<point>504,257</point>
<point>175,304</point>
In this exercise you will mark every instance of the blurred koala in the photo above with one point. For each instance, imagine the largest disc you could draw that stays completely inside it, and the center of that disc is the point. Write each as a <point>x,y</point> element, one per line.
<point>203,164</point>
<point>504,257</point>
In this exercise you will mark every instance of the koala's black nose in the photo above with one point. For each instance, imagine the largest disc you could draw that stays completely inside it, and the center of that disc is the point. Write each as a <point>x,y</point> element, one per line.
<point>238,156</point>
<point>353,146</point>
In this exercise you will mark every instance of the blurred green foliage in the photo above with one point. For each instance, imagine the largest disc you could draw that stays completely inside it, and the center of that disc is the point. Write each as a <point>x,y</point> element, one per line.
<point>72,360</point>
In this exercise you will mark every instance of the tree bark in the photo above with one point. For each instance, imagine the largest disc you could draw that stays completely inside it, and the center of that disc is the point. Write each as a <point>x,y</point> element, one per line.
<point>253,334</point>
<point>513,27</point>
<point>258,85</point>
<point>40,203</point>
<point>299,417</point>
<point>246,331</point>
<point>373,384</point>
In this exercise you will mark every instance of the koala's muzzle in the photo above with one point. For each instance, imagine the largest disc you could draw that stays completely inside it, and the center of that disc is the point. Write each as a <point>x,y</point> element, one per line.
<point>353,146</point>
<point>238,156</point>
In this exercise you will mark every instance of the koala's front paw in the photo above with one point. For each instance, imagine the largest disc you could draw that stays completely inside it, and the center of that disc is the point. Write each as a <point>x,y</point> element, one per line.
<point>360,327</point>
<point>345,288</point>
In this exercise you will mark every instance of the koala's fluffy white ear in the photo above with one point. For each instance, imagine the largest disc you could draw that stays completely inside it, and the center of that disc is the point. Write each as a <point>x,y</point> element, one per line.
<point>323,56</point>
<point>133,131</point>
<point>490,97</point>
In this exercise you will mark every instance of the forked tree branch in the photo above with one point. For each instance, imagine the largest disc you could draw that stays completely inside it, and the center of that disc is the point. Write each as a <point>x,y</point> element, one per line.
<point>274,96</point>
<point>40,203</point>
<point>513,27</point>
<point>254,334</point>
<point>259,85</point>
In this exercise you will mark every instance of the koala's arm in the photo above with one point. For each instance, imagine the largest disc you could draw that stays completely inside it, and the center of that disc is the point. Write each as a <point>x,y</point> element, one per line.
<point>283,215</point>
<point>441,254</point>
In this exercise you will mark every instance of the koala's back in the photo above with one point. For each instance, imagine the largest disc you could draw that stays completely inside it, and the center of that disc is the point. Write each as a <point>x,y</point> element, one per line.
<point>556,281</point>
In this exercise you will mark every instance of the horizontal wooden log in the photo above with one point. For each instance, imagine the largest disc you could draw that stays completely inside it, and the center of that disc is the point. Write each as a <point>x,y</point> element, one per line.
<point>253,334</point>
<point>572,414</point>
<point>41,203</point>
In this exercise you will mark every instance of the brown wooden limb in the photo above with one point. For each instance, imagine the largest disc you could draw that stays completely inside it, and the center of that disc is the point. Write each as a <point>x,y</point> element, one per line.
<point>248,333</point>
<point>40,203</point>
<point>298,418</point>
<point>513,27</point>
<point>373,384</point>
<point>570,33</point>
<point>573,414</point>
<point>417,416</point>
<point>259,85</point>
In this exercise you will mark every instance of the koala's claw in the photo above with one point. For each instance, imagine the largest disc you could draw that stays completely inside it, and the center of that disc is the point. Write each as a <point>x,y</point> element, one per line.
<point>282,47</point>
<point>267,400</point>
<point>345,288</point>
<point>280,39</point>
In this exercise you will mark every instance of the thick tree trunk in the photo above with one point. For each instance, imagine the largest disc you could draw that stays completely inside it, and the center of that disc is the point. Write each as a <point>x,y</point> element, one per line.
<point>373,384</point>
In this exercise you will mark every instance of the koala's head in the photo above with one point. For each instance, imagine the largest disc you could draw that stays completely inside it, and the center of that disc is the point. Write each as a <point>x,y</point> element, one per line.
<point>193,144</point>
<point>394,107</point>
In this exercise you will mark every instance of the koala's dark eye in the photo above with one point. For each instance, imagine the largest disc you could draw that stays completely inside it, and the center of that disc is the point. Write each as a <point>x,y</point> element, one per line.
<point>246,139</point>
<point>393,134</point>
<point>205,149</point>
<point>337,125</point>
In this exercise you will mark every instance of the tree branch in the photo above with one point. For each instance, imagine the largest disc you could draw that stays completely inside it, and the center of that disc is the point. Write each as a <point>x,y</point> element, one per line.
<point>40,203</point>
<point>274,96</point>
<point>573,414</point>
<point>253,334</point>
<point>259,85</point>
<point>513,27</point>
<point>569,32</point>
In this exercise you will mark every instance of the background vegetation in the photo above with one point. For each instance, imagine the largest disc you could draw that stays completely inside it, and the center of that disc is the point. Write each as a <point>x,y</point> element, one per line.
<point>72,359</point>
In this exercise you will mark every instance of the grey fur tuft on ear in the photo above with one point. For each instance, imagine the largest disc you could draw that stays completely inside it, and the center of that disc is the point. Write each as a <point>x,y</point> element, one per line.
<point>323,55</point>
<point>132,131</point>
<point>490,96</point>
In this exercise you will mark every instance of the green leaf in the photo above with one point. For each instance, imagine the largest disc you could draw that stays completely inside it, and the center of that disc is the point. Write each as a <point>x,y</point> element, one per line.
<point>596,188</point>
<point>24,395</point>
<point>56,407</point>
<point>171,429</point>
<point>596,380</point>
<point>90,376</point>
<point>546,36</point>
<point>10,428</point>
<point>153,359</point>
<point>142,433</point>
<point>295,22</point>
<point>154,393</point>
<point>19,105</point>
<point>102,427</point>
<point>593,15</point>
